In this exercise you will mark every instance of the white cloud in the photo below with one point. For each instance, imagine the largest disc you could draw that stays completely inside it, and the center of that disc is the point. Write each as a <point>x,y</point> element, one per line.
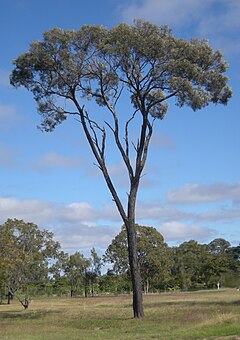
<point>75,225</point>
<point>176,231</point>
<point>35,211</point>
<point>84,236</point>
<point>223,29</point>
<point>79,224</point>
<point>119,174</point>
<point>53,160</point>
<point>217,20</point>
<point>75,212</point>
<point>225,216</point>
<point>8,116</point>
<point>160,212</point>
<point>4,78</point>
<point>47,212</point>
<point>7,156</point>
<point>166,12</point>
<point>225,12</point>
<point>163,141</point>
<point>197,193</point>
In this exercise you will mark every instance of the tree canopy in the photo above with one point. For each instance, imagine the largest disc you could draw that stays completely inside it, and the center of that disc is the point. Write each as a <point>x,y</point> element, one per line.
<point>96,63</point>
<point>25,255</point>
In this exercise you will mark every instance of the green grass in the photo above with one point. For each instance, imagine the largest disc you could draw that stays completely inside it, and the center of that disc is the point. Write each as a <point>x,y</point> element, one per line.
<point>198,315</point>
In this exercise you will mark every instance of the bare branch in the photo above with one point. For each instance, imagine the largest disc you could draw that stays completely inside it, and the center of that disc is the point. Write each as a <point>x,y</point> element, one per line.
<point>147,141</point>
<point>118,96</point>
<point>100,160</point>
<point>93,126</point>
<point>126,132</point>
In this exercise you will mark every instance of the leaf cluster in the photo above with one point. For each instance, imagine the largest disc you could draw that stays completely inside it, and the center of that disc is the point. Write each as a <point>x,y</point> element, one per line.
<point>26,253</point>
<point>98,63</point>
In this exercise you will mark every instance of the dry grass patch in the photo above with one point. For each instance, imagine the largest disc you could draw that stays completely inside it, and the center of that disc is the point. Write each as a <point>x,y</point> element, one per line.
<point>202,315</point>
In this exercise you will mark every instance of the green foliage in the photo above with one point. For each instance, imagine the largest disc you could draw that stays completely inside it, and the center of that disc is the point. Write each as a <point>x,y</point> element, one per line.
<point>189,259</point>
<point>234,253</point>
<point>81,273</point>
<point>95,62</point>
<point>75,269</point>
<point>94,271</point>
<point>188,266</point>
<point>112,283</point>
<point>26,253</point>
<point>32,264</point>
<point>202,266</point>
<point>153,252</point>
<point>9,254</point>
<point>218,246</point>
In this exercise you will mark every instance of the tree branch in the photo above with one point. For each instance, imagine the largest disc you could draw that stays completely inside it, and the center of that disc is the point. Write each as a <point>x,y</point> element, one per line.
<point>100,161</point>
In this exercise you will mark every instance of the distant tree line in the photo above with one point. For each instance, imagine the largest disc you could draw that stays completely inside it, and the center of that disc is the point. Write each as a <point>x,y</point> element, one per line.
<point>32,263</point>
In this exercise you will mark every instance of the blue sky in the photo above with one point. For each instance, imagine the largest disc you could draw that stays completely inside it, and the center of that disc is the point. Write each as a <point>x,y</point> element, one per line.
<point>191,187</point>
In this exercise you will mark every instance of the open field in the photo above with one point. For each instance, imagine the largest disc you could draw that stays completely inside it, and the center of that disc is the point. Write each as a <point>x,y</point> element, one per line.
<point>198,315</point>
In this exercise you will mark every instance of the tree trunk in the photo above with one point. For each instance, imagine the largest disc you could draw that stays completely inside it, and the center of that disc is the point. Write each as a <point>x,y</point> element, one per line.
<point>147,286</point>
<point>25,303</point>
<point>85,290</point>
<point>92,289</point>
<point>133,254</point>
<point>128,219</point>
<point>135,272</point>
<point>9,297</point>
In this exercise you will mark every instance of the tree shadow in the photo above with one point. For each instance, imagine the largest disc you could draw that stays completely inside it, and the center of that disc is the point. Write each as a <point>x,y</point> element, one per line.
<point>30,315</point>
<point>192,303</point>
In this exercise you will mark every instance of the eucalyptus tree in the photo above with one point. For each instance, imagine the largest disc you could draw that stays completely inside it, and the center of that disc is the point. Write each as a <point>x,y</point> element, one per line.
<point>142,62</point>
<point>75,270</point>
<point>94,270</point>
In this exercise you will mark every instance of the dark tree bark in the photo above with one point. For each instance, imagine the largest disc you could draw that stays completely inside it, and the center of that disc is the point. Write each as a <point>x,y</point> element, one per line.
<point>9,297</point>
<point>135,272</point>
<point>133,253</point>
<point>25,303</point>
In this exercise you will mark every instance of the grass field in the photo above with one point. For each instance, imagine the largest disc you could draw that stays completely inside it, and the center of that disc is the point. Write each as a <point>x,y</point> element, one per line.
<point>198,315</point>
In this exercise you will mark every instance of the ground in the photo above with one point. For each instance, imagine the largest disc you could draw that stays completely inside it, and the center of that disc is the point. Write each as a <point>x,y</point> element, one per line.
<point>197,315</point>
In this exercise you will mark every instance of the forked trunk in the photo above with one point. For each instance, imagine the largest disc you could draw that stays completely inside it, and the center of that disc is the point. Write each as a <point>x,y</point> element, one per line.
<point>129,218</point>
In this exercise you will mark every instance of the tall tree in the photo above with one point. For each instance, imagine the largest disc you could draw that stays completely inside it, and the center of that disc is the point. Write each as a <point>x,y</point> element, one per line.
<point>144,62</point>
